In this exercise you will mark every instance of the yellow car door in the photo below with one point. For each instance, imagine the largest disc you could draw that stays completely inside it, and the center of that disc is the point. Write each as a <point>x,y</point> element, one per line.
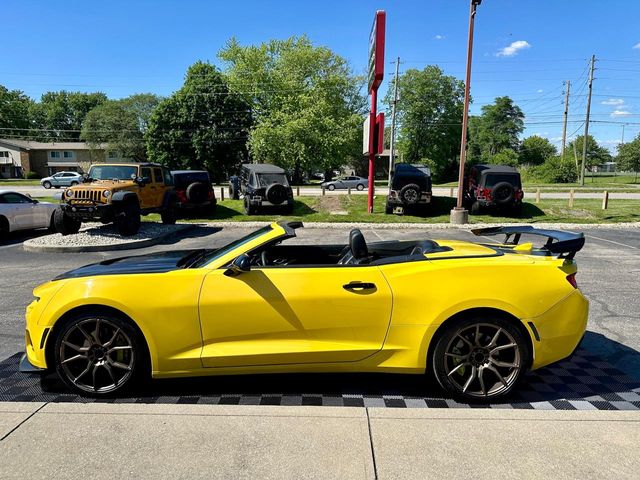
<point>292,315</point>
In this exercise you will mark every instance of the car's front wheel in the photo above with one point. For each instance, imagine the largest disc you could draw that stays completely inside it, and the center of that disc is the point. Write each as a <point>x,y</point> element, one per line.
<point>128,219</point>
<point>99,355</point>
<point>331,187</point>
<point>64,224</point>
<point>360,187</point>
<point>480,358</point>
<point>46,185</point>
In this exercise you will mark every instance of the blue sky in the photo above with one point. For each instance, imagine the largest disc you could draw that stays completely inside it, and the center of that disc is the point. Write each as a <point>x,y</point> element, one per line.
<point>522,49</point>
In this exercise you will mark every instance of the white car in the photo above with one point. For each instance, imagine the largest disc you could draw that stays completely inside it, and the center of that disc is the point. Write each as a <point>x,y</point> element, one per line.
<point>19,212</point>
<point>62,179</point>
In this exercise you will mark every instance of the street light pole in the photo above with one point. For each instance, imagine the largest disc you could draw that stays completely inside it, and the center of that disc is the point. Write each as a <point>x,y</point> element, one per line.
<point>460,215</point>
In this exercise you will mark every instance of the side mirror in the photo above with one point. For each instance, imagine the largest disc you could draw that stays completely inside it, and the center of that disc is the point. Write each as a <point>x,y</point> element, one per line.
<point>241,264</point>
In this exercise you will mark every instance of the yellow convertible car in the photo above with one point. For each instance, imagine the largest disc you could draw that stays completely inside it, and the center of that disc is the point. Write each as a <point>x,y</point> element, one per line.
<point>476,316</point>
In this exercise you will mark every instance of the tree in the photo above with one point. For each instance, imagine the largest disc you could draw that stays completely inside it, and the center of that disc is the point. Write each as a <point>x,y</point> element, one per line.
<point>60,115</point>
<point>121,125</point>
<point>506,156</point>
<point>306,105</point>
<point>429,115</point>
<point>628,158</point>
<point>202,125</point>
<point>535,150</point>
<point>596,155</point>
<point>15,117</point>
<point>498,128</point>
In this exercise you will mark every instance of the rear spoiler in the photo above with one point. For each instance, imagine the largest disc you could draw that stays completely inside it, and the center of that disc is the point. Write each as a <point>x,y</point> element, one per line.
<point>566,244</point>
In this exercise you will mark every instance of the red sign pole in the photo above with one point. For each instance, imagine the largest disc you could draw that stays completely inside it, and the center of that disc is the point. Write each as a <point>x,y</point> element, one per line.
<point>372,150</point>
<point>376,73</point>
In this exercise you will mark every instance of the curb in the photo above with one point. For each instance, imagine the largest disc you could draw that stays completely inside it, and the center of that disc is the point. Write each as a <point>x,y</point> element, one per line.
<point>147,242</point>
<point>430,226</point>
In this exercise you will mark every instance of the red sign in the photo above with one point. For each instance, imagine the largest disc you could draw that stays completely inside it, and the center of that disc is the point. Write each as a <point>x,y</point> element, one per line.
<point>379,141</point>
<point>376,50</point>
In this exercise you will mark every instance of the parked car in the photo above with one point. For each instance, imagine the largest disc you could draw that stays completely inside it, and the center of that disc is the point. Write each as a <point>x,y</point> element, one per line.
<point>194,190</point>
<point>263,185</point>
<point>410,188</point>
<point>61,179</point>
<point>350,181</point>
<point>21,212</point>
<point>493,186</point>
<point>261,304</point>
<point>118,193</point>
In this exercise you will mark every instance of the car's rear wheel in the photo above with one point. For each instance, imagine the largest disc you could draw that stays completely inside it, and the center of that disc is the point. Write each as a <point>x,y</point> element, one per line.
<point>64,224</point>
<point>74,183</point>
<point>475,208</point>
<point>481,358</point>
<point>98,355</point>
<point>46,185</point>
<point>331,187</point>
<point>248,208</point>
<point>360,187</point>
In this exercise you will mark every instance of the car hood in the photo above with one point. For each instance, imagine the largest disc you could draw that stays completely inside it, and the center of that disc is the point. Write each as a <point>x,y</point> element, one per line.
<point>159,262</point>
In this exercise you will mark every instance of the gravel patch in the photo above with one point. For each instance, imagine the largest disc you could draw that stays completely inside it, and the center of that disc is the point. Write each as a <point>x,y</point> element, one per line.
<point>99,237</point>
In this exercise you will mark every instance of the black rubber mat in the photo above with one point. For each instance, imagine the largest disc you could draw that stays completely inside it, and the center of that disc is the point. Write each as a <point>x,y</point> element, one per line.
<point>585,382</point>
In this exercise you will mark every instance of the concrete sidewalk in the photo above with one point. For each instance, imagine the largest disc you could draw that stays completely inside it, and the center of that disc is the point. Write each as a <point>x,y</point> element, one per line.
<point>206,441</point>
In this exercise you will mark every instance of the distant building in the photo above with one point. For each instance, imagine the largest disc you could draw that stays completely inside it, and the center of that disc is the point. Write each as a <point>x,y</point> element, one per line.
<point>19,157</point>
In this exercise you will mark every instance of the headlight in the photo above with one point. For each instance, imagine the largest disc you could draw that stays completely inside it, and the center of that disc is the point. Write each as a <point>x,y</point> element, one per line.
<point>106,193</point>
<point>69,193</point>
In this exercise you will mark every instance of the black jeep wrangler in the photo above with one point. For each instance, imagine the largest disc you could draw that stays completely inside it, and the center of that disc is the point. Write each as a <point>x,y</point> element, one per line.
<point>410,188</point>
<point>493,186</point>
<point>263,185</point>
<point>194,190</point>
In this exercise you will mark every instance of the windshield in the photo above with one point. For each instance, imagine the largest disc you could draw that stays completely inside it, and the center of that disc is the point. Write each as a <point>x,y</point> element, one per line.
<point>210,256</point>
<point>266,179</point>
<point>110,172</point>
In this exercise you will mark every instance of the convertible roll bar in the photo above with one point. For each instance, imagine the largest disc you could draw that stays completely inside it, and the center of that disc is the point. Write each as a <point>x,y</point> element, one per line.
<point>566,244</point>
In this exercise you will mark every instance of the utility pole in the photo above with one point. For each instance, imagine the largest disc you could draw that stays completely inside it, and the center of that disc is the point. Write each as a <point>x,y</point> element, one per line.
<point>459,215</point>
<point>622,140</point>
<point>564,128</point>
<point>393,124</point>
<point>586,122</point>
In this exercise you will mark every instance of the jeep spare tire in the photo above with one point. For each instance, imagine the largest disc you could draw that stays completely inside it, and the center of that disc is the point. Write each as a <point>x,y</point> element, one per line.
<point>410,194</point>
<point>197,193</point>
<point>276,193</point>
<point>502,193</point>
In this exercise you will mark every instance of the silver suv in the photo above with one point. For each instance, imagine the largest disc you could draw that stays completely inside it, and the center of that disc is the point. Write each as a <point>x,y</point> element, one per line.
<point>61,179</point>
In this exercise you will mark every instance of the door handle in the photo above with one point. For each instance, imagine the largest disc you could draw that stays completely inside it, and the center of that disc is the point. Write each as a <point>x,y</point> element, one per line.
<point>359,286</point>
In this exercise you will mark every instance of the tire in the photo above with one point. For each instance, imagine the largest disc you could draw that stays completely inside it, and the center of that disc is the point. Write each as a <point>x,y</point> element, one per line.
<point>100,371</point>
<point>64,224</point>
<point>503,193</point>
<point>46,185</point>
<point>388,209</point>
<point>475,208</point>
<point>468,366</point>
<point>128,219</point>
<point>410,194</point>
<point>74,183</point>
<point>169,216</point>
<point>360,187</point>
<point>52,223</point>
<point>331,187</point>
<point>248,208</point>
<point>276,193</point>
<point>197,193</point>
<point>4,228</point>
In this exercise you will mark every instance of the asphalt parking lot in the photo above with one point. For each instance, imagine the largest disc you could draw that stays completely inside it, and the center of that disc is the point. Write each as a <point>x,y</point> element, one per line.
<point>609,275</point>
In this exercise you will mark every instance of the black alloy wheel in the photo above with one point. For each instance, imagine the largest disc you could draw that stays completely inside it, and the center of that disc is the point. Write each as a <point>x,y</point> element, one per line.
<point>480,359</point>
<point>99,355</point>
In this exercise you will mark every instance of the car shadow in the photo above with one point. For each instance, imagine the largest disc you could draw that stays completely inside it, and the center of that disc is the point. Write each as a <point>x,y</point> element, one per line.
<point>198,232</point>
<point>588,376</point>
<point>16,238</point>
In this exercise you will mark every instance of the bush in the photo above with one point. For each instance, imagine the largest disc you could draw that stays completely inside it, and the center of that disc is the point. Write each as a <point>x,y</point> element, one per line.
<point>553,170</point>
<point>33,175</point>
<point>505,157</point>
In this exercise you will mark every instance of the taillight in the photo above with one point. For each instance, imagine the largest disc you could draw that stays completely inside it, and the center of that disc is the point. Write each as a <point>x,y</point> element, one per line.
<point>181,196</point>
<point>572,280</point>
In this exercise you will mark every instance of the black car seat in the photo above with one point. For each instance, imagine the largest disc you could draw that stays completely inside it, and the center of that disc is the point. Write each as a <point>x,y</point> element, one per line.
<point>358,252</point>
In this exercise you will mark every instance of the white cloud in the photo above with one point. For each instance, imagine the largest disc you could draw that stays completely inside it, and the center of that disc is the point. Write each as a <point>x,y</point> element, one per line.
<point>439,37</point>
<point>540,90</point>
<point>636,46</point>
<point>613,101</point>
<point>512,49</point>
<point>620,113</point>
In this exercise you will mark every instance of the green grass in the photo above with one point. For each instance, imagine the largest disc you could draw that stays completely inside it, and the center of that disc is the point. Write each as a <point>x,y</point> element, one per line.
<point>312,209</point>
<point>18,181</point>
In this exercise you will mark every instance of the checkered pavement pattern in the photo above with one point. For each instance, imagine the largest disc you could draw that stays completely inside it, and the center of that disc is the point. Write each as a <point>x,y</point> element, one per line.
<point>585,382</point>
